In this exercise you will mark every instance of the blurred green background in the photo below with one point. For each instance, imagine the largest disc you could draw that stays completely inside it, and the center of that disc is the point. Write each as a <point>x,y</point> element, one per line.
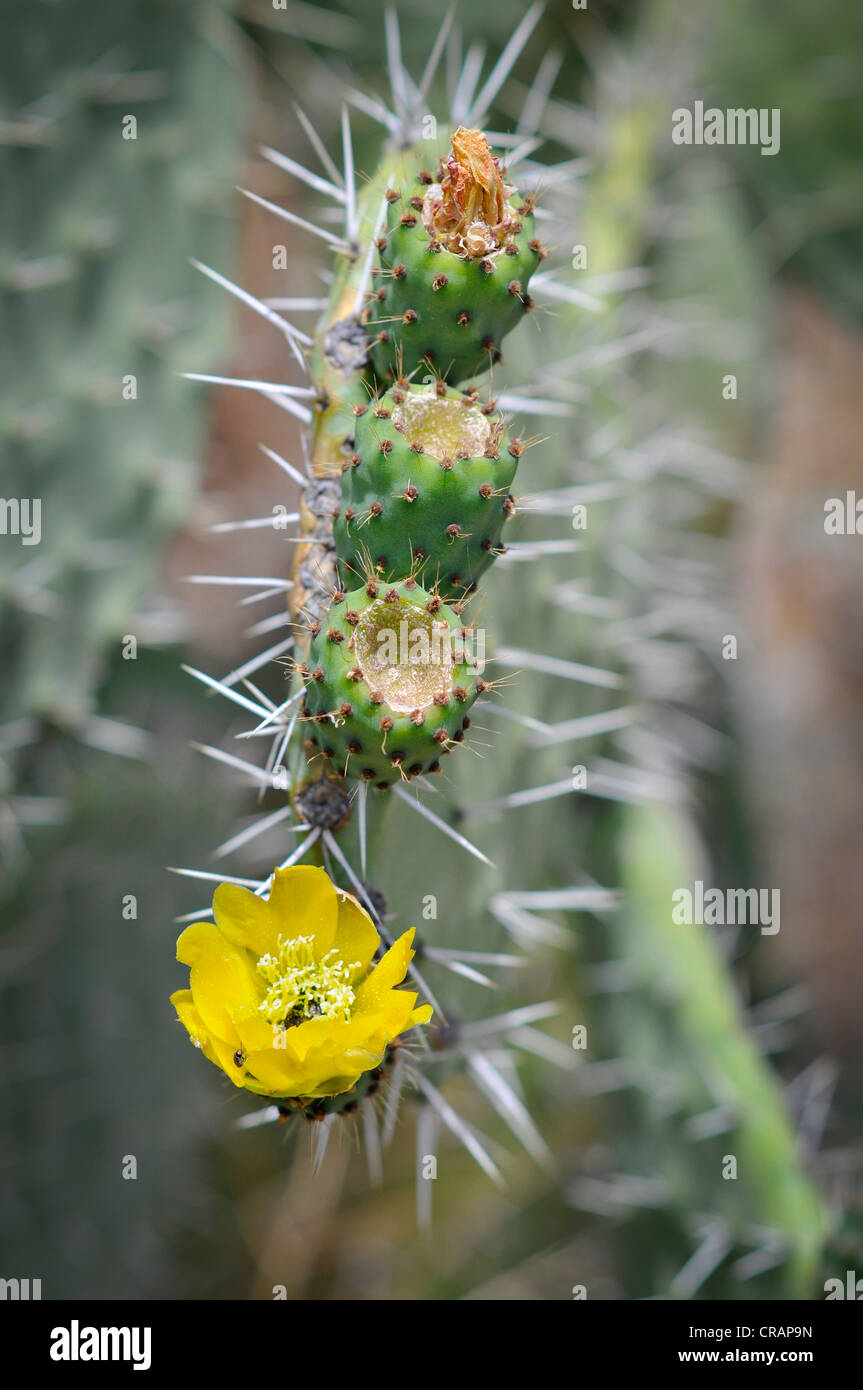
<point>758,258</point>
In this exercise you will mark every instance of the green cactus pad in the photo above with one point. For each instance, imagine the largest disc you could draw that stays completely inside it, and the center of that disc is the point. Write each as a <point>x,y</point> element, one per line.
<point>389,682</point>
<point>448,301</point>
<point>427,488</point>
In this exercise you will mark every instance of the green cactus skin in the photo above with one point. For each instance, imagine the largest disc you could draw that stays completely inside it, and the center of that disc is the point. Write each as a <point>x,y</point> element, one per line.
<point>428,483</point>
<point>451,311</point>
<point>382,721</point>
<point>685,1004</point>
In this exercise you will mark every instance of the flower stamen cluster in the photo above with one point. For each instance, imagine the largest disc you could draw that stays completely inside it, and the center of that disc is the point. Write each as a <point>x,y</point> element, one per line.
<point>301,987</point>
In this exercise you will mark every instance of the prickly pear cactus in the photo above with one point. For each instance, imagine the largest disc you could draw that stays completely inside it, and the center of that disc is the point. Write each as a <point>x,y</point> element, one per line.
<point>404,500</point>
<point>403,506</point>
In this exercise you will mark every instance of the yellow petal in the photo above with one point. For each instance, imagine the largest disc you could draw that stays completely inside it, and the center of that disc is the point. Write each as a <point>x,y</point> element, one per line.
<point>399,1007</point>
<point>226,1057</point>
<point>317,1033</point>
<point>192,1022</point>
<point>335,1085</point>
<point>196,941</point>
<point>256,1032</point>
<point>322,1057</point>
<point>223,981</point>
<point>364,1028</point>
<point>387,973</point>
<point>216,1051</point>
<point>275,1071</point>
<point>246,920</point>
<point>356,937</point>
<point>282,1074</point>
<point>303,903</point>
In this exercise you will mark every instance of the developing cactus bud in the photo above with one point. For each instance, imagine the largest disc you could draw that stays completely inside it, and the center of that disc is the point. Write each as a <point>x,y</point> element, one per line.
<point>427,489</point>
<point>454,270</point>
<point>389,683</point>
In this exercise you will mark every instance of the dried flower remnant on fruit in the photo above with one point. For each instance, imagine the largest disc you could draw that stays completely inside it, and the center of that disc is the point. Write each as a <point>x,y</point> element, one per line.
<point>467,211</point>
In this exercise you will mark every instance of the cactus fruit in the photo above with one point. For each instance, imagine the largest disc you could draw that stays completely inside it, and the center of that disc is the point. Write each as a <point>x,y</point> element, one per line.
<point>454,265</point>
<point>427,484</point>
<point>389,683</point>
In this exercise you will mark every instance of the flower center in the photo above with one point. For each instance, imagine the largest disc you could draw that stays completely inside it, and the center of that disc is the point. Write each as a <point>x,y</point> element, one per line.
<point>300,987</point>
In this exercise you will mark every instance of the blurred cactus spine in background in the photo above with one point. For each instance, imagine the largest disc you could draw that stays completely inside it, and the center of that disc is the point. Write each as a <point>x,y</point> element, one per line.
<point>100,320</point>
<point>120,127</point>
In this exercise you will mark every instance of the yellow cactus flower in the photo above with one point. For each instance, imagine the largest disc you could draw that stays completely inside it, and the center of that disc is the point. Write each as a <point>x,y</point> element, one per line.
<point>283,996</point>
